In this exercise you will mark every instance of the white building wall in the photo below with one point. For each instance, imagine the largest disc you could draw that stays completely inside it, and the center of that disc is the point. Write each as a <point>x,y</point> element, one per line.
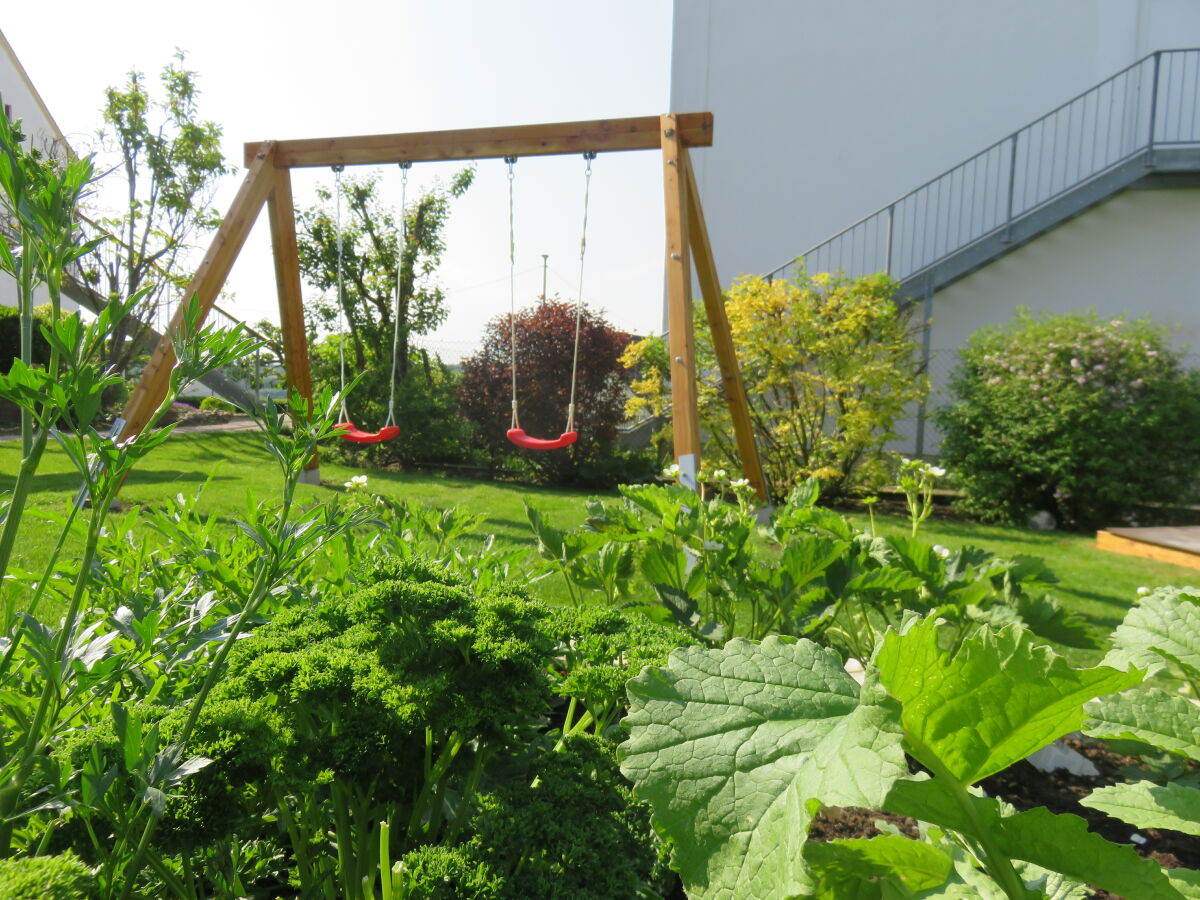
<point>827,110</point>
<point>20,100</point>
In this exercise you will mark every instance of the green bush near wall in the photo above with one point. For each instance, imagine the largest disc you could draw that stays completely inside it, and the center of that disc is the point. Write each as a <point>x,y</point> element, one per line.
<point>1091,419</point>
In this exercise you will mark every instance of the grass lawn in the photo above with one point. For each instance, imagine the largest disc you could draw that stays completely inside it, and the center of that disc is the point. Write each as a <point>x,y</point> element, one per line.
<point>1100,586</point>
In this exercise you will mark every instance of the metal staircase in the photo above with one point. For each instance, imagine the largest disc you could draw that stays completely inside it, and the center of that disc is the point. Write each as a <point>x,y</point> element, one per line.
<point>1141,125</point>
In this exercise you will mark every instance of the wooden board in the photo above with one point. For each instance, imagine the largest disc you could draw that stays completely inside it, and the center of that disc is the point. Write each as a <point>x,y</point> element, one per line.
<point>603,136</point>
<point>1178,546</point>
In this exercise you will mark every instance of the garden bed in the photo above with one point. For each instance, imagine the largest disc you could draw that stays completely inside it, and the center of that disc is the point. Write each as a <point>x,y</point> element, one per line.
<point>1027,787</point>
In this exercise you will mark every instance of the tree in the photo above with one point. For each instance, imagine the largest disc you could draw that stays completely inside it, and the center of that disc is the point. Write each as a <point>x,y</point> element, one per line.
<point>371,235</point>
<point>829,363</point>
<point>171,161</point>
<point>545,346</point>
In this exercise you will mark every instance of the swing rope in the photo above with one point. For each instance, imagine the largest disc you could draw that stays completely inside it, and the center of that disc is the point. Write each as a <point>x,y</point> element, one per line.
<point>404,167</point>
<point>587,187</point>
<point>341,290</point>
<point>511,161</point>
<point>515,433</point>
<point>347,429</point>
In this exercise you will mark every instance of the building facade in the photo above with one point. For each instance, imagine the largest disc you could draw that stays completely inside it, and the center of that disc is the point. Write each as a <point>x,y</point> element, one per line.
<point>1038,153</point>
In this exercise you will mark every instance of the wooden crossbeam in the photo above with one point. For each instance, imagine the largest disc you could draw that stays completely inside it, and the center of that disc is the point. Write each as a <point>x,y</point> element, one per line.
<point>603,136</point>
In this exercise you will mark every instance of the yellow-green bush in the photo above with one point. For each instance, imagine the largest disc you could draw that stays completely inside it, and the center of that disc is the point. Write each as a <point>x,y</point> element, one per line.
<point>829,362</point>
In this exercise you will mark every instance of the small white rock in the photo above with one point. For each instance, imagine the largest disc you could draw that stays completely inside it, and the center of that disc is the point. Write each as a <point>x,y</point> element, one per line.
<point>1138,839</point>
<point>1059,756</point>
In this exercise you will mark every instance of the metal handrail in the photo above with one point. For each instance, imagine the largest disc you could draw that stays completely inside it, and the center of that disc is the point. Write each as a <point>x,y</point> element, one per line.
<point>984,194</point>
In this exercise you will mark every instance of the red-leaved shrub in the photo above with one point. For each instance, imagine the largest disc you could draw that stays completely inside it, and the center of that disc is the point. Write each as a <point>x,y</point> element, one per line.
<point>545,344</point>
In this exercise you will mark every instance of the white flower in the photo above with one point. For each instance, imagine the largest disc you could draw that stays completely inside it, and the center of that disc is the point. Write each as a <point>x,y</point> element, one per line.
<point>1143,591</point>
<point>671,471</point>
<point>936,471</point>
<point>358,481</point>
<point>941,551</point>
<point>740,483</point>
<point>719,474</point>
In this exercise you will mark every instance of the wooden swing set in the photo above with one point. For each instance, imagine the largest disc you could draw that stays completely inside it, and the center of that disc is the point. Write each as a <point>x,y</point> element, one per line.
<point>268,181</point>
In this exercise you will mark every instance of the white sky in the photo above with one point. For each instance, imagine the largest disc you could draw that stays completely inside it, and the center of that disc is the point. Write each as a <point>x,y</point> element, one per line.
<point>306,69</point>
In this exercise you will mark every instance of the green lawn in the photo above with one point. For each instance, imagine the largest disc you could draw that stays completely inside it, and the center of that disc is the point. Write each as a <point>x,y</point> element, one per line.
<point>1100,586</point>
<point>238,462</point>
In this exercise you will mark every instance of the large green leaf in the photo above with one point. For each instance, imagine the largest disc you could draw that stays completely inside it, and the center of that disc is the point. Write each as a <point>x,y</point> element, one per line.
<point>861,868</point>
<point>1186,881</point>
<point>1167,720</point>
<point>1057,843</point>
<point>1163,625</point>
<point>730,747</point>
<point>1144,804</point>
<point>991,704</point>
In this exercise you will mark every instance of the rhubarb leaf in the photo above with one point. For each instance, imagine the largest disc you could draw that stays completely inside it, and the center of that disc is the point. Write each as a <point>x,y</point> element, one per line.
<point>1165,720</point>
<point>1144,804</point>
<point>1057,843</point>
<point>1160,627</point>
<point>998,699</point>
<point>736,748</point>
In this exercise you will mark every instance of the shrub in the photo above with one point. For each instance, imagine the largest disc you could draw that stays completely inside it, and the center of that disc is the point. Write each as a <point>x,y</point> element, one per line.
<point>432,429</point>
<point>1084,417</point>
<point>829,364</point>
<point>216,404</point>
<point>62,877</point>
<point>545,345</point>
<point>10,349</point>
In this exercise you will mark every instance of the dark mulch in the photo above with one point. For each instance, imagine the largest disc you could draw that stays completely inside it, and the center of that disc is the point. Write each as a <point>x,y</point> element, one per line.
<point>1025,787</point>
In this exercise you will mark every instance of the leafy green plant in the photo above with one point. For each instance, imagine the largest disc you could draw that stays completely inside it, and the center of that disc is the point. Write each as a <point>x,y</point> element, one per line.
<point>41,198</point>
<point>1160,633</point>
<point>1086,418</point>
<point>830,365</point>
<point>738,749</point>
<point>805,571</point>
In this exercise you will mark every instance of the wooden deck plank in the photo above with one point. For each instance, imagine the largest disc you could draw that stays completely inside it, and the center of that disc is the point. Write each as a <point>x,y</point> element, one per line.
<point>1178,546</point>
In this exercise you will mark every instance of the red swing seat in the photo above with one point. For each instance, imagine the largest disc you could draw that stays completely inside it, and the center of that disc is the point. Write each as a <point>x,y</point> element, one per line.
<point>521,439</point>
<point>348,431</point>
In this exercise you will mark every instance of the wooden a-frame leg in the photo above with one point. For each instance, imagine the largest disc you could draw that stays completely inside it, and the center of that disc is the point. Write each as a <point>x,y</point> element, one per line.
<point>685,415</point>
<point>282,215</point>
<point>722,336</point>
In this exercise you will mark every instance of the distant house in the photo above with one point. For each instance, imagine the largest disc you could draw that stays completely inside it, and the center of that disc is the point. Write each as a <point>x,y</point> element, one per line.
<point>21,101</point>
<point>1040,153</point>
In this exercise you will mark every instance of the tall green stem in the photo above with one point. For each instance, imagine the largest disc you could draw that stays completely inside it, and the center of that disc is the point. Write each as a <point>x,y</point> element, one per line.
<point>998,865</point>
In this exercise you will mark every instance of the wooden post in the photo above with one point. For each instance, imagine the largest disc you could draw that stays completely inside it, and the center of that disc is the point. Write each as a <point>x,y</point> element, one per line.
<point>205,285</point>
<point>685,414</point>
<point>282,215</point>
<point>718,323</point>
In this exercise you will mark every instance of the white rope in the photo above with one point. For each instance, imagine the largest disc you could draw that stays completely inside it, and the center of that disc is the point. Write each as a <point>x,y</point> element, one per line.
<point>404,167</point>
<point>587,186</point>
<point>342,325</point>
<point>512,292</point>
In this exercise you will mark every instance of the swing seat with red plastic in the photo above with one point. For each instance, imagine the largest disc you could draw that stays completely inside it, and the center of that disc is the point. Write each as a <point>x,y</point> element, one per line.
<point>348,431</point>
<point>521,439</point>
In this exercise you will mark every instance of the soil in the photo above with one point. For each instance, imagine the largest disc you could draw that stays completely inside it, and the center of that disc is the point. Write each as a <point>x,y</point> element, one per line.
<point>1025,787</point>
